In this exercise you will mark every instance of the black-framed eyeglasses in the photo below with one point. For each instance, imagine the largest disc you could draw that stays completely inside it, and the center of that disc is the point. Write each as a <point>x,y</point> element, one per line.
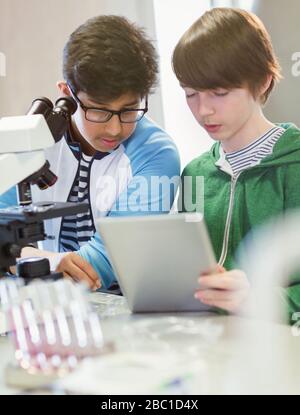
<point>101,115</point>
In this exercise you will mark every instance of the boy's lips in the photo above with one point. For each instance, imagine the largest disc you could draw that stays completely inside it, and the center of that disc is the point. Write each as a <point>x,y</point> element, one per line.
<point>212,128</point>
<point>110,142</point>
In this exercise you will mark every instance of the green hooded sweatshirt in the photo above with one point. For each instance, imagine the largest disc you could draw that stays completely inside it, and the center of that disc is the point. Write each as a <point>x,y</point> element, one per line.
<point>234,206</point>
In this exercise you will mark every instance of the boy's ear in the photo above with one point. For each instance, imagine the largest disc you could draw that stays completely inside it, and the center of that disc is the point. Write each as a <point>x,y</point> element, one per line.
<point>63,88</point>
<point>266,85</point>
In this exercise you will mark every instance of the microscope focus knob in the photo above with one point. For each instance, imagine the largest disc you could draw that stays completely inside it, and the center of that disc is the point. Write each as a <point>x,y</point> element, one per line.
<point>33,267</point>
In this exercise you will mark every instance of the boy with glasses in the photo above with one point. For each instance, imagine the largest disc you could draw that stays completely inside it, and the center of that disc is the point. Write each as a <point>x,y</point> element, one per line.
<point>111,153</point>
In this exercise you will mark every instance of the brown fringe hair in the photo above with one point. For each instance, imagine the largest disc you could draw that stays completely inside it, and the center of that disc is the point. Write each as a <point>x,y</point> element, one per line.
<point>226,48</point>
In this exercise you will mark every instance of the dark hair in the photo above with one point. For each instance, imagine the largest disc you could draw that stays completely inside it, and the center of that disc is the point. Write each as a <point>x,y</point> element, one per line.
<point>226,48</point>
<point>107,57</point>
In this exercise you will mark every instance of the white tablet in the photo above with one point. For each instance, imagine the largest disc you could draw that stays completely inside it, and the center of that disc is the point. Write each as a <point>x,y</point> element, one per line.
<point>158,259</point>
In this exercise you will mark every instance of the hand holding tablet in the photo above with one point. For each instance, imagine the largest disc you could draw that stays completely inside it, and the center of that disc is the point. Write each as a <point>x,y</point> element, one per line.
<point>157,259</point>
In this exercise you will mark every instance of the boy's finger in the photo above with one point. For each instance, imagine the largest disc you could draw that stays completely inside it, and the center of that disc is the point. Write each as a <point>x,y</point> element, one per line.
<point>78,275</point>
<point>221,282</point>
<point>219,269</point>
<point>85,267</point>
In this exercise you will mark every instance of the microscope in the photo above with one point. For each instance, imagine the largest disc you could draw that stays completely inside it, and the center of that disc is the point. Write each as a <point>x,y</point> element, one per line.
<point>51,322</point>
<point>23,163</point>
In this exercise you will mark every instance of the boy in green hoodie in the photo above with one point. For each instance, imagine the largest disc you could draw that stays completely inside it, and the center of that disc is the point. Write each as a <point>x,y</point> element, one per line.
<point>227,68</point>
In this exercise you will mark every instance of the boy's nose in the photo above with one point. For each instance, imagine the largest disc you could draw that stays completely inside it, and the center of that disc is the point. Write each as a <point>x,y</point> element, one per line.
<point>205,107</point>
<point>205,111</point>
<point>113,126</point>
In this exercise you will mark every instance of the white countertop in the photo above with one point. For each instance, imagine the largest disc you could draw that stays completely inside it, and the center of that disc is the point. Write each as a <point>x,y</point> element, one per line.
<point>211,354</point>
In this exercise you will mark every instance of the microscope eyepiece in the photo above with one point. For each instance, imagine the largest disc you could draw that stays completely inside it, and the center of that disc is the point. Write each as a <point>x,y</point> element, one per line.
<point>59,118</point>
<point>68,105</point>
<point>41,105</point>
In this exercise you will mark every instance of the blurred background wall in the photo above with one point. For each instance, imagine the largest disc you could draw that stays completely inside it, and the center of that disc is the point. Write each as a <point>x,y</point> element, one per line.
<point>33,33</point>
<point>281,19</point>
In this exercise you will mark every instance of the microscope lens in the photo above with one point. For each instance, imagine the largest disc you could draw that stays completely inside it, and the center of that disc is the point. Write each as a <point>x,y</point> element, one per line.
<point>46,180</point>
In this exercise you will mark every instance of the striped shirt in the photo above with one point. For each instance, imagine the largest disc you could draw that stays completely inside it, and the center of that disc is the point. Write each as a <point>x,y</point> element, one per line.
<point>253,154</point>
<point>77,230</point>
